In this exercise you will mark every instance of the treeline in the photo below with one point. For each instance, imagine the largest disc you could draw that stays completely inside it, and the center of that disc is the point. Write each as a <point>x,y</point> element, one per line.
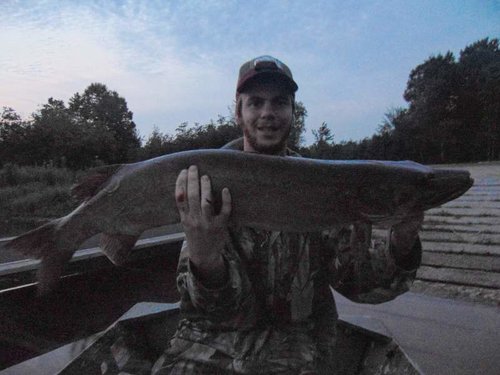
<point>453,115</point>
<point>95,128</point>
<point>215,134</point>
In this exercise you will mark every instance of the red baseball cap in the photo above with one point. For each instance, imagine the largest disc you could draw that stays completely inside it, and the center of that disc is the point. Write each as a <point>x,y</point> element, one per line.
<point>265,66</point>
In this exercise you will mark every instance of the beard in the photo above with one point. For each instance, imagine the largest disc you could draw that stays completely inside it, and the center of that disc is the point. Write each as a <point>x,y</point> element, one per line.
<point>271,149</point>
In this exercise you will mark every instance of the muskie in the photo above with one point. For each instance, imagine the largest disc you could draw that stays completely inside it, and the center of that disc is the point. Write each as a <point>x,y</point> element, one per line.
<point>269,192</point>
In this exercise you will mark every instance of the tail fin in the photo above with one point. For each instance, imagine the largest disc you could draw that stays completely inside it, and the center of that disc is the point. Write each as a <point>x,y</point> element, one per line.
<point>41,243</point>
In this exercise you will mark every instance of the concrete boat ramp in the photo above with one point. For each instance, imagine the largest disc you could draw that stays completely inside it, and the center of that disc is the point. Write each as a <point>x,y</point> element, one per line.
<point>442,336</point>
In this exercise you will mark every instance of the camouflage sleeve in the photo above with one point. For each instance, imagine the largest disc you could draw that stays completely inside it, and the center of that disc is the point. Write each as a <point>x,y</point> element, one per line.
<point>368,270</point>
<point>219,301</point>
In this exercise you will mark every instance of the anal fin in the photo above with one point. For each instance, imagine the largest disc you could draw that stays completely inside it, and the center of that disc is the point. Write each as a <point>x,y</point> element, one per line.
<point>117,247</point>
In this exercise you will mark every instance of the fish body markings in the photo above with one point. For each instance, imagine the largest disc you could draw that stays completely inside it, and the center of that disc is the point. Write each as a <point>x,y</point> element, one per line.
<point>268,192</point>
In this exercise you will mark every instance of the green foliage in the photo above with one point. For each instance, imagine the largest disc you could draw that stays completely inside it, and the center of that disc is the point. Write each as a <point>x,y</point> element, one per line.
<point>157,144</point>
<point>96,129</point>
<point>57,138</point>
<point>48,202</point>
<point>14,175</point>
<point>323,146</point>
<point>13,142</point>
<point>479,104</point>
<point>211,135</point>
<point>453,115</point>
<point>296,139</point>
<point>104,110</point>
<point>30,196</point>
<point>453,112</point>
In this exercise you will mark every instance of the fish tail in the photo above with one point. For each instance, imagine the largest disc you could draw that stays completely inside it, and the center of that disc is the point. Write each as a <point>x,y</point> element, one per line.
<point>42,243</point>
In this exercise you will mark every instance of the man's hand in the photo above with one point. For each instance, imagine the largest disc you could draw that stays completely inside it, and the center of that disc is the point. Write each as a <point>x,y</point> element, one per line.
<point>405,234</point>
<point>206,232</point>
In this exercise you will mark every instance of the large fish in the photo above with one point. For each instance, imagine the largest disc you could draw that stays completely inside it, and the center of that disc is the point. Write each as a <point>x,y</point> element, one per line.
<point>274,193</point>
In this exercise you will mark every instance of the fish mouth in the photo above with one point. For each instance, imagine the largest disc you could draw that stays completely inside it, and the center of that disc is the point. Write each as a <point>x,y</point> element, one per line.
<point>446,185</point>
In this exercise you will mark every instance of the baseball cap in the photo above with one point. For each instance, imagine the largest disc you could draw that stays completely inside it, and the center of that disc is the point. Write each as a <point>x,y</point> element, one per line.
<point>262,66</point>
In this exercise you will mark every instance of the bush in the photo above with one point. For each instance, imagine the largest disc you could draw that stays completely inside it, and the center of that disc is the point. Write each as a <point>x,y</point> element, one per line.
<point>30,196</point>
<point>13,175</point>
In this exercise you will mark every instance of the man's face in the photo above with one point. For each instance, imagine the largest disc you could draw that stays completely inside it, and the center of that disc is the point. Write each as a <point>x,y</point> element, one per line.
<point>266,115</point>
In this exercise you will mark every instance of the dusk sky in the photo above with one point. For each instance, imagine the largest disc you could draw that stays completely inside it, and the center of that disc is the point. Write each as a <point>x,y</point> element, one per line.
<point>177,61</point>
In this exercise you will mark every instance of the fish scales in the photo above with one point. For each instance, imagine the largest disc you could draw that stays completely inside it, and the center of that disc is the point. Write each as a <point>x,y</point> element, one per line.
<point>268,192</point>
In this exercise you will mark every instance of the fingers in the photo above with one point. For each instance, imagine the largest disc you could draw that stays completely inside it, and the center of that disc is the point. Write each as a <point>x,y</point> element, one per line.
<point>193,190</point>
<point>225,210</point>
<point>207,208</point>
<point>181,192</point>
<point>194,196</point>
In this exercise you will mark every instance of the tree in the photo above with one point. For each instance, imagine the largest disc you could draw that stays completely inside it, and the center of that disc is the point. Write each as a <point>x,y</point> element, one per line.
<point>107,113</point>
<point>490,118</point>
<point>454,106</point>
<point>215,134</point>
<point>296,138</point>
<point>53,135</point>
<point>453,112</point>
<point>13,142</point>
<point>157,144</point>
<point>57,137</point>
<point>396,133</point>
<point>322,148</point>
<point>432,92</point>
<point>211,135</point>
<point>479,65</point>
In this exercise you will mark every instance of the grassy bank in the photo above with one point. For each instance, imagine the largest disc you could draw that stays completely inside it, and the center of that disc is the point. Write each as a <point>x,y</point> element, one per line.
<point>30,196</point>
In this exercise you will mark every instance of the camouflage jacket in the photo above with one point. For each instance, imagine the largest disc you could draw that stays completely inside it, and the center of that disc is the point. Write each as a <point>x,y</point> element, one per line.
<point>276,312</point>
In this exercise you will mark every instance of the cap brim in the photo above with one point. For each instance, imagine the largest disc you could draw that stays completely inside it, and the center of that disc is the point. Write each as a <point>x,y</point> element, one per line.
<point>277,77</point>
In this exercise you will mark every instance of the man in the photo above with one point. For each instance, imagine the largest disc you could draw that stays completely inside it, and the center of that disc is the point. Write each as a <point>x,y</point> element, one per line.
<point>259,302</point>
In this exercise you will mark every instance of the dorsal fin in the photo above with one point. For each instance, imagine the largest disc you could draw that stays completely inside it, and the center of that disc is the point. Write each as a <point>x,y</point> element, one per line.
<point>89,185</point>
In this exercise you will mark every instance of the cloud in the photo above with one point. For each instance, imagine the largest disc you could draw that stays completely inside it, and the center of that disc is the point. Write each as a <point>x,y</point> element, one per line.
<point>178,60</point>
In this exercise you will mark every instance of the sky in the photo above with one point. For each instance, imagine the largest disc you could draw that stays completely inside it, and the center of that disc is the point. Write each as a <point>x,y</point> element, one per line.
<point>177,61</point>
